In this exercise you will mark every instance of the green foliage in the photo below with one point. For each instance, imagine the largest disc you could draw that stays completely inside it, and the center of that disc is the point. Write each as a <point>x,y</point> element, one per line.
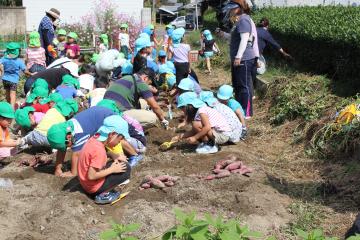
<point>120,232</point>
<point>308,217</point>
<point>209,19</point>
<point>299,96</point>
<point>322,39</point>
<point>210,228</point>
<point>316,234</point>
<point>356,237</point>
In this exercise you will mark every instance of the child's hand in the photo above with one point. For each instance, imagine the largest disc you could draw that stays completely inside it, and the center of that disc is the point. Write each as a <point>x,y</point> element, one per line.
<point>118,167</point>
<point>182,124</point>
<point>192,140</point>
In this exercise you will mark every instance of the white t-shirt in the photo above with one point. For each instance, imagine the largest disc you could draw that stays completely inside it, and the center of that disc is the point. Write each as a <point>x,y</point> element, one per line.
<point>124,39</point>
<point>96,96</point>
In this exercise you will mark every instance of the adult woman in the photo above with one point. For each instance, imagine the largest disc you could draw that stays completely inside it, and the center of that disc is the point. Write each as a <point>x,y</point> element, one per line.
<point>47,33</point>
<point>242,53</point>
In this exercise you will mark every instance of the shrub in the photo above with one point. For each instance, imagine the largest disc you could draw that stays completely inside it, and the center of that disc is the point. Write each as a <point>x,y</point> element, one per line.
<point>322,39</point>
<point>103,19</point>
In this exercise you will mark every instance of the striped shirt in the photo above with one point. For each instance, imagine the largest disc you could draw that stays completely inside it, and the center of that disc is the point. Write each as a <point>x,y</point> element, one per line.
<point>232,119</point>
<point>217,121</point>
<point>35,56</point>
<point>122,91</point>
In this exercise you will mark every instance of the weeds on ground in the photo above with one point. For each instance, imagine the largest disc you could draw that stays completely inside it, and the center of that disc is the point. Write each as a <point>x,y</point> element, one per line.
<point>120,232</point>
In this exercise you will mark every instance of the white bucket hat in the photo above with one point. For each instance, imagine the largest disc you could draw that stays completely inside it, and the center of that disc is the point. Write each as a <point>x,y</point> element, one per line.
<point>72,67</point>
<point>54,12</point>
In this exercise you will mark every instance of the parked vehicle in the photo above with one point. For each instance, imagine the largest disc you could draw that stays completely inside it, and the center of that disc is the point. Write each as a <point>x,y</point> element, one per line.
<point>179,22</point>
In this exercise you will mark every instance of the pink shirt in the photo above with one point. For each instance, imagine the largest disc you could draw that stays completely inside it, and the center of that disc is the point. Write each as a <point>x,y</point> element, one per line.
<point>217,121</point>
<point>35,55</point>
<point>73,48</point>
<point>38,116</point>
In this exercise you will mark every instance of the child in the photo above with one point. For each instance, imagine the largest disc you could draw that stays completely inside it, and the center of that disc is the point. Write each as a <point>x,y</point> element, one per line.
<point>36,94</point>
<point>97,176</point>
<point>104,43</point>
<point>224,95</point>
<point>179,51</point>
<point>59,42</point>
<point>47,103</point>
<point>68,87</point>
<point>142,46</point>
<point>12,64</point>
<point>189,84</point>
<point>27,118</point>
<point>209,127</point>
<point>59,113</point>
<point>208,46</point>
<point>35,54</point>
<point>96,95</point>
<point>167,40</point>
<point>124,41</point>
<point>72,50</point>
<point>7,145</point>
<point>228,113</point>
<point>162,62</point>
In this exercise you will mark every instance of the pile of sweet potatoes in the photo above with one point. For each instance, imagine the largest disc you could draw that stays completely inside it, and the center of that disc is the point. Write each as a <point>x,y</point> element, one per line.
<point>159,182</point>
<point>225,167</point>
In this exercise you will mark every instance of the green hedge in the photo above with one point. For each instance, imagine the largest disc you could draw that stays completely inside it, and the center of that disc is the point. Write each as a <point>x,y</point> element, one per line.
<point>323,40</point>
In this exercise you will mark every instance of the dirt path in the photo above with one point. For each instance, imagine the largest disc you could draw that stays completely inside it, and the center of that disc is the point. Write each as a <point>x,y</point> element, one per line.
<point>42,206</point>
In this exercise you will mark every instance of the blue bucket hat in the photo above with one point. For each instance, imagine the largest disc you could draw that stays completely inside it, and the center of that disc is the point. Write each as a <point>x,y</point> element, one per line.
<point>171,66</point>
<point>127,68</point>
<point>144,35</point>
<point>141,43</point>
<point>225,92</point>
<point>162,53</point>
<point>171,80</point>
<point>208,97</point>
<point>111,124</point>
<point>207,35</point>
<point>164,69</point>
<point>151,64</point>
<point>147,30</point>
<point>187,84</point>
<point>177,35</point>
<point>189,98</point>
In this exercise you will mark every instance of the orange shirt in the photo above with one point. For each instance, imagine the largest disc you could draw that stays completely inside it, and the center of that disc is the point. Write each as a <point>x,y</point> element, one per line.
<point>93,154</point>
<point>4,134</point>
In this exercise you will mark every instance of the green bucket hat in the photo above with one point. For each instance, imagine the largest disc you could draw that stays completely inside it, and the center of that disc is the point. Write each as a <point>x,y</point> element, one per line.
<point>63,108</point>
<point>57,135</point>
<point>37,92</point>
<point>94,57</point>
<point>72,104</point>
<point>104,38</point>
<point>73,35</point>
<point>110,104</point>
<point>6,110</point>
<point>22,116</point>
<point>124,25</point>
<point>70,81</point>
<point>12,50</point>
<point>40,82</point>
<point>61,32</point>
<point>34,39</point>
<point>54,97</point>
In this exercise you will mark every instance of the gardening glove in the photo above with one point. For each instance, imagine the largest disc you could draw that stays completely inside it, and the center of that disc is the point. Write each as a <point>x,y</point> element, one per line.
<point>52,51</point>
<point>165,123</point>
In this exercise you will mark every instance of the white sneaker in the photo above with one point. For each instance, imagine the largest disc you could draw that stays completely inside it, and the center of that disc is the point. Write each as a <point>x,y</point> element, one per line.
<point>207,149</point>
<point>201,145</point>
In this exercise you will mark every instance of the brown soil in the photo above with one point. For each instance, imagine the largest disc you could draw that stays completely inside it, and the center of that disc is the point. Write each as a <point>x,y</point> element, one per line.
<point>42,206</point>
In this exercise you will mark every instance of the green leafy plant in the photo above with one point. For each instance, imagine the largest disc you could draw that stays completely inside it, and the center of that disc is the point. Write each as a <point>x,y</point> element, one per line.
<point>316,234</point>
<point>120,232</point>
<point>356,237</point>
<point>210,228</point>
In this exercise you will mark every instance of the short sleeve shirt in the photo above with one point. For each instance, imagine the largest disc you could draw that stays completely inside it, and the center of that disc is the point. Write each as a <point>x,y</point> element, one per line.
<point>123,92</point>
<point>74,49</point>
<point>181,53</point>
<point>12,68</point>
<point>124,39</point>
<point>232,119</point>
<point>52,117</point>
<point>235,105</point>
<point>67,92</point>
<point>86,124</point>
<point>242,26</point>
<point>217,121</point>
<point>93,155</point>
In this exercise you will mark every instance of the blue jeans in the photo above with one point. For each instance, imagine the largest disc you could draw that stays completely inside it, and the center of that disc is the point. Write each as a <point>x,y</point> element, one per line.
<point>242,77</point>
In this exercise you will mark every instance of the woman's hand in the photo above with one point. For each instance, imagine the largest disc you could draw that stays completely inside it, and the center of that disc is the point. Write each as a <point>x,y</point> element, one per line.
<point>118,167</point>
<point>237,62</point>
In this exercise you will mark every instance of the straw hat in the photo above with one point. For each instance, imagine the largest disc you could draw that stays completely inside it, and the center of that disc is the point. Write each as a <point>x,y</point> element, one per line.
<point>54,12</point>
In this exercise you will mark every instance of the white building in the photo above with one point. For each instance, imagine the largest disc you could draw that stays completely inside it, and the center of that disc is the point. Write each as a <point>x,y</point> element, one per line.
<point>71,10</point>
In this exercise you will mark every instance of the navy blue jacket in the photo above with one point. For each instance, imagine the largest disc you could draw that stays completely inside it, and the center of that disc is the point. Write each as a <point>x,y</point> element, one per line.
<point>264,38</point>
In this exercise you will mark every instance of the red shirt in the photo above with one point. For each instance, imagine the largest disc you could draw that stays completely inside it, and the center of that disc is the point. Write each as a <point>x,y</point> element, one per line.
<point>93,154</point>
<point>41,107</point>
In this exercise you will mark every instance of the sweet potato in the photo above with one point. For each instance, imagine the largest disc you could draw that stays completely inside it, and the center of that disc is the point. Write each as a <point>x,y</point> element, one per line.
<point>155,183</point>
<point>243,170</point>
<point>145,185</point>
<point>234,165</point>
<point>223,174</point>
<point>210,177</point>
<point>232,157</point>
<point>163,178</point>
<point>223,163</point>
<point>169,183</point>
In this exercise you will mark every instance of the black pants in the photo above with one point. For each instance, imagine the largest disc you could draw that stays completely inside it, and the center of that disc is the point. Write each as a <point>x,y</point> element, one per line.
<point>242,84</point>
<point>182,71</point>
<point>28,83</point>
<point>114,179</point>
